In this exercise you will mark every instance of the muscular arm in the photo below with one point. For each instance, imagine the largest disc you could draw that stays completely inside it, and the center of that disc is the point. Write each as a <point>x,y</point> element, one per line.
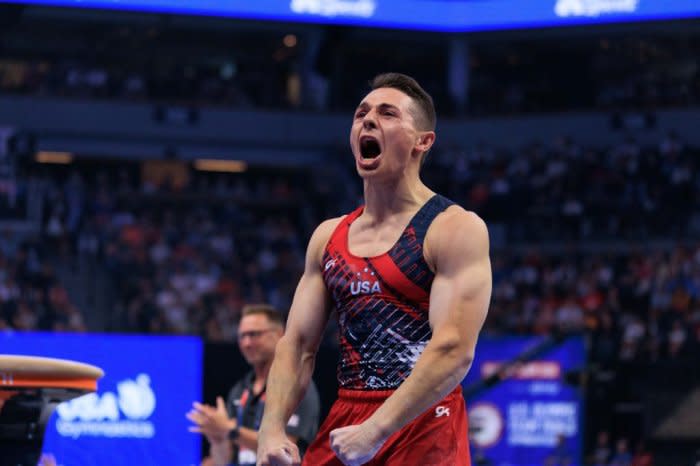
<point>296,352</point>
<point>459,299</point>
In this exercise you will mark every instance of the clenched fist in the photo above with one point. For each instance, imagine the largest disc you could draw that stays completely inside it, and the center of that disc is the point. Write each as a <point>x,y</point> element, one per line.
<point>355,445</point>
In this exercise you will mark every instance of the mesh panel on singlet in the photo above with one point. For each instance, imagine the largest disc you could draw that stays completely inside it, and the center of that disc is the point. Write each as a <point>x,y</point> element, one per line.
<point>382,303</point>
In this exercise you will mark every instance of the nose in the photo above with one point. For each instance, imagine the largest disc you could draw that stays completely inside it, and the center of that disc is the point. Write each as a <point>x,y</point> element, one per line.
<point>368,122</point>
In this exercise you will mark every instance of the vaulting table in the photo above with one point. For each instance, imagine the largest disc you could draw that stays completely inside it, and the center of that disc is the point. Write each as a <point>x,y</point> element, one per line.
<point>30,389</point>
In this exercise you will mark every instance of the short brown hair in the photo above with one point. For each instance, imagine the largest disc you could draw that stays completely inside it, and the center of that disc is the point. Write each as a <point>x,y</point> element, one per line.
<point>269,311</point>
<point>424,117</point>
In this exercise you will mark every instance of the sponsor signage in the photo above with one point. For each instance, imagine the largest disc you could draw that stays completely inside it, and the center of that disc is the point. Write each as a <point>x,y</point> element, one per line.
<point>532,412</point>
<point>137,415</point>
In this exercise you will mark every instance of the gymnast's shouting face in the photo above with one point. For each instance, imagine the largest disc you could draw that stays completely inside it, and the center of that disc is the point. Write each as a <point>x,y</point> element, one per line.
<point>386,137</point>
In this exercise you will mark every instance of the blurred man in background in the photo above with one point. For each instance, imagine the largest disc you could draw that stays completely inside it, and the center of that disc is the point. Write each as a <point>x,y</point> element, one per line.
<point>231,427</point>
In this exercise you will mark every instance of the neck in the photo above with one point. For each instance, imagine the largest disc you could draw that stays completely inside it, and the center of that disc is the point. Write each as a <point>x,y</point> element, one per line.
<point>385,198</point>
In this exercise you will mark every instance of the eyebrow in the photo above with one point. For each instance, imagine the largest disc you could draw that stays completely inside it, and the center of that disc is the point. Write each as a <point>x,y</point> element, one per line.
<point>382,106</point>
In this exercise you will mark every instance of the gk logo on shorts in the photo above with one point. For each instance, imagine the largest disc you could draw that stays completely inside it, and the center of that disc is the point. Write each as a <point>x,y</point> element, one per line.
<point>442,411</point>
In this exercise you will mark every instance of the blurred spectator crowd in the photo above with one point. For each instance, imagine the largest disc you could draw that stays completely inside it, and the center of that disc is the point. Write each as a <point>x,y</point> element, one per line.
<point>619,453</point>
<point>636,306</point>
<point>184,258</point>
<point>31,296</point>
<point>566,192</point>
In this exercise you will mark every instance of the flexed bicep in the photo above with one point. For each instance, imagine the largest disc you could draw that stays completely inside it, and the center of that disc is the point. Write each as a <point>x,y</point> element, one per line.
<point>461,290</point>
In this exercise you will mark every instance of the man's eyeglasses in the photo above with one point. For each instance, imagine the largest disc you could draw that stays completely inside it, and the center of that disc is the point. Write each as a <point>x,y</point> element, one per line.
<point>254,334</point>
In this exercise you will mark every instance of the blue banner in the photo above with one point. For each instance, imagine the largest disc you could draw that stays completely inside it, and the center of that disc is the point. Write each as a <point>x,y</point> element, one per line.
<point>532,415</point>
<point>137,416</point>
<point>438,15</point>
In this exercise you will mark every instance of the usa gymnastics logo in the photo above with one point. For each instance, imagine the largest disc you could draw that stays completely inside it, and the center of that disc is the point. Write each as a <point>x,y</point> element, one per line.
<point>594,8</point>
<point>115,415</point>
<point>333,8</point>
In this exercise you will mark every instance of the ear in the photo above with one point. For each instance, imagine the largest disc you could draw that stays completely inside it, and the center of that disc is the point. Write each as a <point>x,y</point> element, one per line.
<point>424,141</point>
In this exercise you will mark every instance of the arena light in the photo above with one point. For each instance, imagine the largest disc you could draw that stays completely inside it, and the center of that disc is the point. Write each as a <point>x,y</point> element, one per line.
<point>218,165</point>
<point>54,157</point>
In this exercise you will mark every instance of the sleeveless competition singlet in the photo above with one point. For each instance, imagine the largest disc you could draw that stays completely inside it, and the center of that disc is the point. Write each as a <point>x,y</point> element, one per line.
<point>382,303</point>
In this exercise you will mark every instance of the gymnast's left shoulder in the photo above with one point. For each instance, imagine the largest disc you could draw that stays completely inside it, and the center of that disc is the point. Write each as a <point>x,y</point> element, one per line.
<point>456,237</point>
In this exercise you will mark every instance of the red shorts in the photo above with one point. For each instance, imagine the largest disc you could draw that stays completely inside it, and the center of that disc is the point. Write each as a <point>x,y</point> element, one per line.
<point>438,437</point>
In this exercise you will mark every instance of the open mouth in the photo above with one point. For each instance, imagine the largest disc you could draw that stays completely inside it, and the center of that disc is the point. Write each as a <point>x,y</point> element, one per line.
<point>369,147</point>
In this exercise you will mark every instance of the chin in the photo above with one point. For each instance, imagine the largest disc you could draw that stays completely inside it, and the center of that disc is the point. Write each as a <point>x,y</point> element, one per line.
<point>366,173</point>
<point>378,174</point>
<point>250,359</point>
